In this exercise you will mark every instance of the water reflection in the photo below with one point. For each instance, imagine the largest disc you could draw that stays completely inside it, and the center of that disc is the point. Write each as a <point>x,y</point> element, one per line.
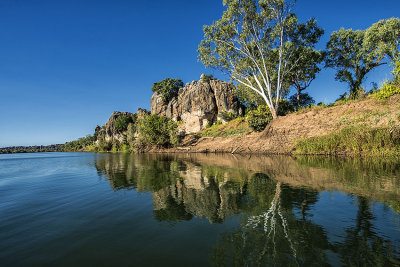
<point>275,199</point>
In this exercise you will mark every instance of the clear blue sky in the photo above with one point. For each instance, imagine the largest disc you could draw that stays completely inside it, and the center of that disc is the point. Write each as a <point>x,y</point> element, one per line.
<point>66,65</point>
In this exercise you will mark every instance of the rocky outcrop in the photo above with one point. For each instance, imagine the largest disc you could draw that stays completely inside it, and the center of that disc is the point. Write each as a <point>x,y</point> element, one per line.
<point>108,130</point>
<point>198,104</point>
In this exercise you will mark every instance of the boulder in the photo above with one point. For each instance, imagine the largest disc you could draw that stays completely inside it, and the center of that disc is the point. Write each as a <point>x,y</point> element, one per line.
<point>198,104</point>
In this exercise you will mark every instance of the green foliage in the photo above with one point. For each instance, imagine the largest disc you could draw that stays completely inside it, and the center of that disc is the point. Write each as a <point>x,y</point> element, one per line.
<point>285,107</point>
<point>302,100</point>
<point>234,127</point>
<point>206,78</point>
<point>227,116</point>
<point>260,118</point>
<point>249,98</point>
<point>355,53</point>
<point>388,89</point>
<point>121,123</point>
<point>355,140</point>
<point>130,135</point>
<point>385,37</point>
<point>103,145</point>
<point>155,130</point>
<point>304,73</point>
<point>255,41</point>
<point>168,88</point>
<point>80,144</point>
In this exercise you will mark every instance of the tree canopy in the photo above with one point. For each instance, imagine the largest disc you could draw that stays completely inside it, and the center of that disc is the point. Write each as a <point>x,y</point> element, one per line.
<point>353,56</point>
<point>309,60</point>
<point>385,37</point>
<point>255,42</point>
<point>168,88</point>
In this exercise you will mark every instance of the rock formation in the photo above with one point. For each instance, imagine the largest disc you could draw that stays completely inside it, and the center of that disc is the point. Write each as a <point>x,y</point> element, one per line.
<point>198,104</point>
<point>108,130</point>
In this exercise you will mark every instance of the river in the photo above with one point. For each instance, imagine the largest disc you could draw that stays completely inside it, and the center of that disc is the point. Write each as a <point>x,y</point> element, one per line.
<point>87,209</point>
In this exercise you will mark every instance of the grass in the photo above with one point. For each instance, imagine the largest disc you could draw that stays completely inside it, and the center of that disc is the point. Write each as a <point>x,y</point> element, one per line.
<point>235,127</point>
<point>353,140</point>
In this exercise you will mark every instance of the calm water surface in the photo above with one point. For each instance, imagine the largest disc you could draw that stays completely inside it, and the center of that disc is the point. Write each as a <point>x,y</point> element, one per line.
<point>83,209</point>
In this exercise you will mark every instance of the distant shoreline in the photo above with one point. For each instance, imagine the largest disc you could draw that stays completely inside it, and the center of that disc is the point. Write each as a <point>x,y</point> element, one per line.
<point>31,149</point>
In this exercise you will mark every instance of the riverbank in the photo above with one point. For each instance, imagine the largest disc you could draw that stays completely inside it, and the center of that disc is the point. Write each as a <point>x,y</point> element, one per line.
<point>369,127</point>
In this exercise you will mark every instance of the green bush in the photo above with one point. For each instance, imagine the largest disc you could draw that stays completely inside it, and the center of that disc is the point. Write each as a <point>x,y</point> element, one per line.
<point>388,89</point>
<point>168,88</point>
<point>103,145</point>
<point>155,130</point>
<point>79,144</point>
<point>227,116</point>
<point>259,119</point>
<point>206,78</point>
<point>285,107</point>
<point>121,123</point>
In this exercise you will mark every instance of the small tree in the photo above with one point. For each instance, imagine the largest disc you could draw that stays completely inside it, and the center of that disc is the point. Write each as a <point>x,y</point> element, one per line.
<point>255,42</point>
<point>157,130</point>
<point>352,57</point>
<point>168,88</point>
<point>302,100</point>
<point>304,73</point>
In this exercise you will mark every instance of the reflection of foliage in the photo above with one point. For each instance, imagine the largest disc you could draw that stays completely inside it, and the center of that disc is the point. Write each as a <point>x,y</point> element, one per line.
<point>395,205</point>
<point>368,175</point>
<point>276,236</point>
<point>173,212</point>
<point>276,223</point>
<point>362,246</point>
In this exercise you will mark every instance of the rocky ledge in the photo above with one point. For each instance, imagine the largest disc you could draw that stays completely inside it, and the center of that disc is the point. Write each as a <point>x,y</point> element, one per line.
<point>198,103</point>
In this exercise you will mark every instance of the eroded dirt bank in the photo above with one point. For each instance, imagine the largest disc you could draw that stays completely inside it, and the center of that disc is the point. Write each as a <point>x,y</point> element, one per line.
<point>281,136</point>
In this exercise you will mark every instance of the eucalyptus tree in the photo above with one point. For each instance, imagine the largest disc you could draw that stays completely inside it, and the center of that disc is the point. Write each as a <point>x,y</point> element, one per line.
<point>255,42</point>
<point>353,57</point>
<point>304,74</point>
<point>385,37</point>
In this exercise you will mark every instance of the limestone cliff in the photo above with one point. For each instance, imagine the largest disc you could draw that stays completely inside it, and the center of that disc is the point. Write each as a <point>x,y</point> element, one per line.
<point>108,129</point>
<point>198,104</point>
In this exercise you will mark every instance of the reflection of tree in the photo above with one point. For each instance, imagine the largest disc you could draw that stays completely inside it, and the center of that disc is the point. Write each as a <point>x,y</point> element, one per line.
<point>276,236</point>
<point>276,225</point>
<point>172,212</point>
<point>362,246</point>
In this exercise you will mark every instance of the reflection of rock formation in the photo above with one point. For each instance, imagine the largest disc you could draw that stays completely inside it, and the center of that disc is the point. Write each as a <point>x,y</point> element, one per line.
<point>201,194</point>
<point>375,178</point>
<point>277,228</point>
<point>214,192</point>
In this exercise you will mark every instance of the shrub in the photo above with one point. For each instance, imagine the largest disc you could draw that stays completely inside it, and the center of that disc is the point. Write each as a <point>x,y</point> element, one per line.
<point>284,107</point>
<point>259,119</point>
<point>388,89</point>
<point>206,78</point>
<point>121,123</point>
<point>155,130</point>
<point>227,116</point>
<point>130,136</point>
<point>168,88</point>
<point>103,145</point>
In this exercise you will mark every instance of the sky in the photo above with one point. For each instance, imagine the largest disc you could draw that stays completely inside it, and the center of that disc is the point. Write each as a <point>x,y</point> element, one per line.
<point>66,65</point>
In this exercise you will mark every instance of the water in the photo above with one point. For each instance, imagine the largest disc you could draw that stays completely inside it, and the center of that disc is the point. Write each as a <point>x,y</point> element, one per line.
<point>83,209</point>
